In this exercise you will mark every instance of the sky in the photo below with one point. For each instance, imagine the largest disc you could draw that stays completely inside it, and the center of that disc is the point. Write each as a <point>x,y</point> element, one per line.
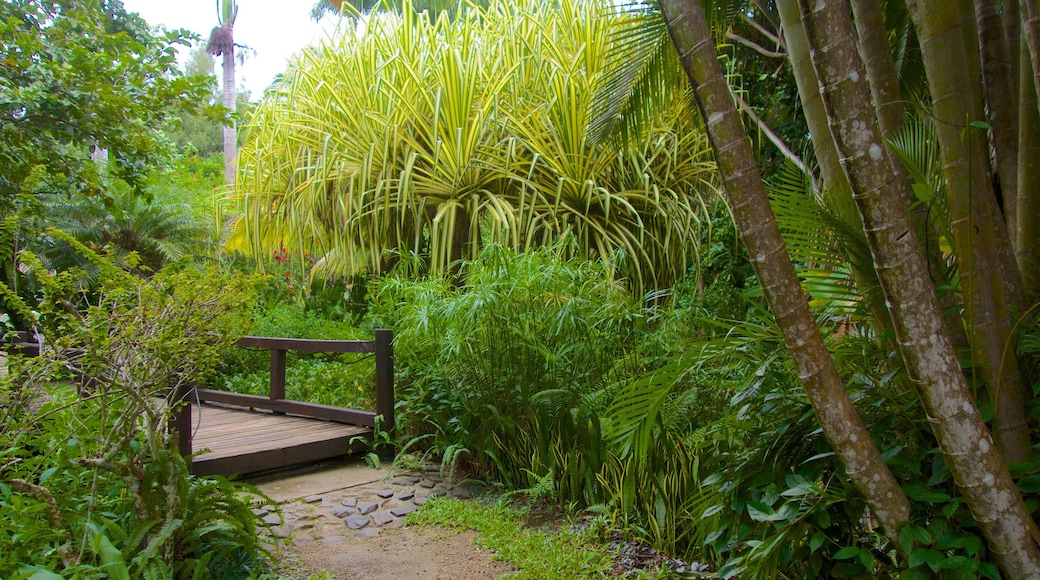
<point>274,29</point>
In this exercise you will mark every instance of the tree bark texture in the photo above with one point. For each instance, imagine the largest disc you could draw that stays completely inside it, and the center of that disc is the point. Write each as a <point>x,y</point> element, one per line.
<point>988,282</point>
<point>754,218</point>
<point>933,368</point>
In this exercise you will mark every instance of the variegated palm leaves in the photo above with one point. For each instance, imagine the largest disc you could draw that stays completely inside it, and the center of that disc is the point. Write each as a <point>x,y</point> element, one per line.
<point>441,136</point>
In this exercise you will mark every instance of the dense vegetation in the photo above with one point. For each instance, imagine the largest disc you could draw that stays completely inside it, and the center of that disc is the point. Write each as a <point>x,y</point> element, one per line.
<point>526,196</point>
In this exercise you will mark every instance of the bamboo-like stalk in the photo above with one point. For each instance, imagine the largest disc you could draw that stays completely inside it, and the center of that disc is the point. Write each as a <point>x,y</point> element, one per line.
<point>987,281</point>
<point>966,444</point>
<point>751,212</point>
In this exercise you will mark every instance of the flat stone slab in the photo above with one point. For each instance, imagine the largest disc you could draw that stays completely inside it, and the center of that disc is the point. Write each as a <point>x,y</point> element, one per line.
<point>381,518</point>
<point>357,522</point>
<point>407,480</point>
<point>403,510</point>
<point>406,496</point>
<point>349,502</point>
<point>428,484</point>
<point>461,493</point>
<point>312,499</point>
<point>281,532</point>
<point>342,512</point>
<point>385,493</point>
<point>272,519</point>
<point>419,500</point>
<point>367,507</point>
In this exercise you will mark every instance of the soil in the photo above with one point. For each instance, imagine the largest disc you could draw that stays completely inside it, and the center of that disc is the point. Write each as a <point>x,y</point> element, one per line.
<point>400,553</point>
<point>350,523</point>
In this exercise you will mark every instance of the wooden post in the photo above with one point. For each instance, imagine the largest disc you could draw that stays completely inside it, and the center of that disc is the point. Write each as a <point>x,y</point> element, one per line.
<point>277,392</point>
<point>181,422</point>
<point>385,381</point>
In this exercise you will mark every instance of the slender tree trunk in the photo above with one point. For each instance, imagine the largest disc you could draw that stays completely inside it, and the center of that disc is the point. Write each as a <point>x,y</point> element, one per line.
<point>809,94</point>
<point>1001,99</point>
<point>230,133</point>
<point>881,69</point>
<point>987,281</point>
<point>965,442</point>
<point>1031,35</point>
<point>757,224</point>
<point>835,183</point>
<point>1027,226</point>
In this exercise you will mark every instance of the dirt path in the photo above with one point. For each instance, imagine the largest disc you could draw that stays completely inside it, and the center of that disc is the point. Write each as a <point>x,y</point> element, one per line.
<point>398,554</point>
<point>347,522</point>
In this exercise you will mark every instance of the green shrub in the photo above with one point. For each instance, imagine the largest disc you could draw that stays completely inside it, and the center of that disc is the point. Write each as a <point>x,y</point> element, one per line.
<point>93,483</point>
<point>514,363</point>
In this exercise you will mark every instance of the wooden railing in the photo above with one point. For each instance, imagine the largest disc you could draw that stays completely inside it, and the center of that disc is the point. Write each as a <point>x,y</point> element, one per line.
<point>381,346</point>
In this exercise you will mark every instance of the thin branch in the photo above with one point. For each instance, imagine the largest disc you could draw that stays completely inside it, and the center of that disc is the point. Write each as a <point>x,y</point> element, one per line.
<point>769,14</point>
<point>773,138</point>
<point>762,29</point>
<point>753,46</point>
<point>41,494</point>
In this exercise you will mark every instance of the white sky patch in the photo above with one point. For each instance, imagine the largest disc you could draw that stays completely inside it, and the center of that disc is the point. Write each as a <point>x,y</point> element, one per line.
<point>274,30</point>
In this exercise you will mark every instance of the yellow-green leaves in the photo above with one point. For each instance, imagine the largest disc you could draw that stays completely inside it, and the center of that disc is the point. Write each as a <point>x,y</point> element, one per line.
<point>441,136</point>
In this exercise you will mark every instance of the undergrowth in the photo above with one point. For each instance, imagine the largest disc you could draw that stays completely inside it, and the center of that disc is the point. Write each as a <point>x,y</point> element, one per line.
<point>535,553</point>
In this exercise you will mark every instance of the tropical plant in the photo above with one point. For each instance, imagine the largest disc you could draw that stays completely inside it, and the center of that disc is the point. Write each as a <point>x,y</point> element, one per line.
<point>882,197</point>
<point>96,458</point>
<point>122,222</point>
<point>458,139</point>
<point>77,78</point>
<point>516,363</point>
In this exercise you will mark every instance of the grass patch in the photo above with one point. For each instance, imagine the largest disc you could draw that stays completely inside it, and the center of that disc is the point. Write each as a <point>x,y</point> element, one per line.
<point>537,553</point>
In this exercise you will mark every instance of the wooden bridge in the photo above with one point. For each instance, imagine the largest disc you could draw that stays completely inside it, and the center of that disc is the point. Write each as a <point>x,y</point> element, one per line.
<point>242,434</point>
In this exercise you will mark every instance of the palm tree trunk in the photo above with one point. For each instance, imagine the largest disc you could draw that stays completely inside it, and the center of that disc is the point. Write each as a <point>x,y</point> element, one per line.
<point>1027,230</point>
<point>229,98</point>
<point>965,442</point>
<point>987,281</point>
<point>1001,98</point>
<point>834,180</point>
<point>757,224</point>
<point>1031,35</point>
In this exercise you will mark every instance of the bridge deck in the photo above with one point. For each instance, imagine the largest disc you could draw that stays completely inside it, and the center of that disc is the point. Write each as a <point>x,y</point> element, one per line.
<point>241,441</point>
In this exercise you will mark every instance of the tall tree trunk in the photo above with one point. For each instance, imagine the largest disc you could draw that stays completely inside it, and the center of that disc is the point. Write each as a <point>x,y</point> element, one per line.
<point>754,218</point>
<point>1031,35</point>
<point>965,442</point>
<point>987,281</point>
<point>1001,99</point>
<point>834,181</point>
<point>881,70</point>
<point>1027,226</point>
<point>230,133</point>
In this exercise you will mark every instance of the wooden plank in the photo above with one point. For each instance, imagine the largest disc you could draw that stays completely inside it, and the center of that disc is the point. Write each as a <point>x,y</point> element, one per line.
<point>275,458</point>
<point>242,442</point>
<point>325,412</point>
<point>269,438</point>
<point>306,344</point>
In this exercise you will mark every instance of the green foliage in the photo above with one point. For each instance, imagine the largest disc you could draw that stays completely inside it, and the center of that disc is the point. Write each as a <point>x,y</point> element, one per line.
<point>92,481</point>
<point>457,139</point>
<point>343,380</point>
<point>516,363</point>
<point>121,222</point>
<point>536,554</point>
<point>75,75</point>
